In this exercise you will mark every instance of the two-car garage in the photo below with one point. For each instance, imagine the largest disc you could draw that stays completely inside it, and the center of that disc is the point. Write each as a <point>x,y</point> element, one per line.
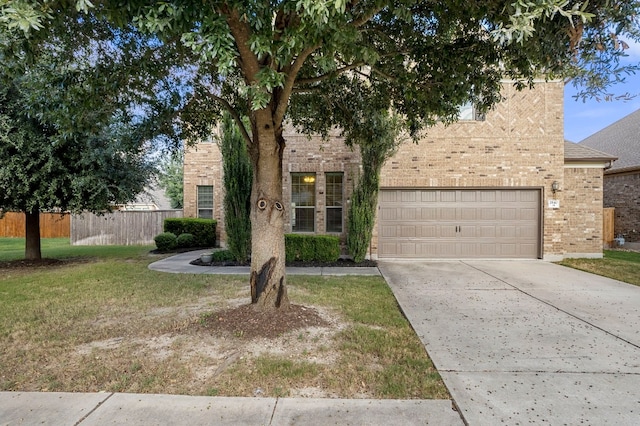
<point>459,223</point>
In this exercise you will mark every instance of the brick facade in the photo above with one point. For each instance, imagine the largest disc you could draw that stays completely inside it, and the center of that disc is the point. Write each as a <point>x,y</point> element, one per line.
<point>520,144</point>
<point>583,197</point>
<point>203,166</point>
<point>622,191</point>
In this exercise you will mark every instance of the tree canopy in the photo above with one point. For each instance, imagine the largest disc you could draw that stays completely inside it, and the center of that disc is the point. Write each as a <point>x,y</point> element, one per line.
<point>55,155</point>
<point>289,59</point>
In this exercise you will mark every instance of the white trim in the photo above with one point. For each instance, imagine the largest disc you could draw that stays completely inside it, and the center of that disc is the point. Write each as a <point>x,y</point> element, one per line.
<point>586,165</point>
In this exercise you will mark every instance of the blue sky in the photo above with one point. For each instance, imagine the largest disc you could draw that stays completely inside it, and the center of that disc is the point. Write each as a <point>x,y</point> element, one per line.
<point>584,119</point>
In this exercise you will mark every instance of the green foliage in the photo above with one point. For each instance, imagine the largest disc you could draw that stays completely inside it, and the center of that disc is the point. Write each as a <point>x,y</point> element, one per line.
<point>185,240</point>
<point>324,248</point>
<point>166,241</point>
<point>327,248</point>
<point>203,230</point>
<point>376,134</point>
<point>237,186</point>
<point>299,247</point>
<point>70,134</point>
<point>223,256</point>
<point>171,180</point>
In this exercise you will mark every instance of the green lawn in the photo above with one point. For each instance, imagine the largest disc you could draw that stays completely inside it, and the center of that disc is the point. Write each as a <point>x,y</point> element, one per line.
<point>61,248</point>
<point>108,323</point>
<point>616,264</point>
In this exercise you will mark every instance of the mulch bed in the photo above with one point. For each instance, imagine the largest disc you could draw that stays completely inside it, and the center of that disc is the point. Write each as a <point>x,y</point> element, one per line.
<point>44,263</point>
<point>337,263</point>
<point>247,321</point>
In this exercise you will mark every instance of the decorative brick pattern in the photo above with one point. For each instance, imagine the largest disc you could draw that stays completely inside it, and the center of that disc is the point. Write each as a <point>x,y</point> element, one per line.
<point>520,144</point>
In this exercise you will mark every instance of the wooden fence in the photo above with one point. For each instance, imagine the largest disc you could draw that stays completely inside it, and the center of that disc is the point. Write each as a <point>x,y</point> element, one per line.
<point>52,225</point>
<point>608,233</point>
<point>119,227</point>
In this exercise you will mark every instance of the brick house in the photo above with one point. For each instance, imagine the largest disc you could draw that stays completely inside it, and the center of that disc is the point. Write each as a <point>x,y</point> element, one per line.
<point>496,187</point>
<point>622,180</point>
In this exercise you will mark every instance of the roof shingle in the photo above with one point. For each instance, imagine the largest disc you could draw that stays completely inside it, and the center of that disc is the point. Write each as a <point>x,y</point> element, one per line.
<point>621,139</point>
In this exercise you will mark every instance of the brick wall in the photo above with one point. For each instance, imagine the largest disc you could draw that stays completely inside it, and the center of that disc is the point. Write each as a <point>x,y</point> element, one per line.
<point>622,191</point>
<point>203,166</point>
<point>320,156</point>
<point>519,144</point>
<point>583,195</point>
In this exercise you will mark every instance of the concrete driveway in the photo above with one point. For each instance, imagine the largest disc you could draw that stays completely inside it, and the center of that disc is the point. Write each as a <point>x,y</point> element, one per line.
<point>526,342</point>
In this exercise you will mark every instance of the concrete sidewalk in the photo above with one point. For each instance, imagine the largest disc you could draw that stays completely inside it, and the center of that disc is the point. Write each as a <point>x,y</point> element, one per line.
<point>179,264</point>
<point>526,342</point>
<point>20,408</point>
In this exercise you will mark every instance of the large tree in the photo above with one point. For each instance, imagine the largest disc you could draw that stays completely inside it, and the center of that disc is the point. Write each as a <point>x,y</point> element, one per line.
<point>70,139</point>
<point>422,59</point>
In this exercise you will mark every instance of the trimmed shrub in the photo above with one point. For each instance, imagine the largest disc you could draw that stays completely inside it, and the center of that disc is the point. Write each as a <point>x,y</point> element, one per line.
<point>203,230</point>
<point>307,248</point>
<point>327,248</point>
<point>223,256</point>
<point>185,240</point>
<point>166,241</point>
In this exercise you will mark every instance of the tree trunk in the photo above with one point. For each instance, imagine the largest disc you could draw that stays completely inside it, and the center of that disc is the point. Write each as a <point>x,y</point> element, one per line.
<point>268,281</point>
<point>32,236</point>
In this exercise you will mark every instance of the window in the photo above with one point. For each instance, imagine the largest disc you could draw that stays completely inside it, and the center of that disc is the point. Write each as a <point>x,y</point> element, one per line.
<point>204,194</point>
<point>468,112</point>
<point>334,202</point>
<point>303,202</point>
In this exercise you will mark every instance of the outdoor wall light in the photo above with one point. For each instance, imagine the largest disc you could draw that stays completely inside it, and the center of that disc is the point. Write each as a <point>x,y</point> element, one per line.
<point>555,186</point>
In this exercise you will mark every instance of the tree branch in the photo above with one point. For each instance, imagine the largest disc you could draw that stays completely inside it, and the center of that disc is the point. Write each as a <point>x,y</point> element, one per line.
<point>323,77</point>
<point>289,83</point>
<point>236,117</point>
<point>366,17</point>
<point>241,32</point>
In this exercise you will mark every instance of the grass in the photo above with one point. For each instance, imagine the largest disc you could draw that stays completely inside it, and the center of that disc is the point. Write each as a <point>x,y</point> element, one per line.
<point>111,324</point>
<point>61,248</point>
<point>616,264</point>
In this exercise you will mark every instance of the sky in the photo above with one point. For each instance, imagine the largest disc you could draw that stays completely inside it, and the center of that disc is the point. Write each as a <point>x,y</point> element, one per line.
<point>582,119</point>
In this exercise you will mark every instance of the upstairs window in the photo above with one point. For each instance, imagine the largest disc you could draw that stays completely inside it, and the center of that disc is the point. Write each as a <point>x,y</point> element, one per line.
<point>334,202</point>
<point>303,202</point>
<point>468,112</point>
<point>204,194</point>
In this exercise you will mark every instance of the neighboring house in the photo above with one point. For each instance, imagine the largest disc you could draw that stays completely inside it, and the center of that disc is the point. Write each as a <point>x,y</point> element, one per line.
<point>485,187</point>
<point>151,199</point>
<point>622,181</point>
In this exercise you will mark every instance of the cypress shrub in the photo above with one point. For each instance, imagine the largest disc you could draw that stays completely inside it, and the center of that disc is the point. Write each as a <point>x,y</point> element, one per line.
<point>237,185</point>
<point>377,136</point>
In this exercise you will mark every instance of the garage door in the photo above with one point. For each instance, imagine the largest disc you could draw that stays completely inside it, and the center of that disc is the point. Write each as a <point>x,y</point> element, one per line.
<point>449,223</point>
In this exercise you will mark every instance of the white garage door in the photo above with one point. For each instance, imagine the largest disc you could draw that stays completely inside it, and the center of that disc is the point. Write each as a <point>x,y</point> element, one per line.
<point>457,223</point>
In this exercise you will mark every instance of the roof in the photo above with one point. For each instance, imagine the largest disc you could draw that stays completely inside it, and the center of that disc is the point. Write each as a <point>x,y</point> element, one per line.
<point>621,139</point>
<point>576,152</point>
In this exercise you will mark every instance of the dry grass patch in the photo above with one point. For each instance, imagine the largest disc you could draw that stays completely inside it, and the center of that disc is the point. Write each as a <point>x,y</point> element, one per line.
<point>114,325</point>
